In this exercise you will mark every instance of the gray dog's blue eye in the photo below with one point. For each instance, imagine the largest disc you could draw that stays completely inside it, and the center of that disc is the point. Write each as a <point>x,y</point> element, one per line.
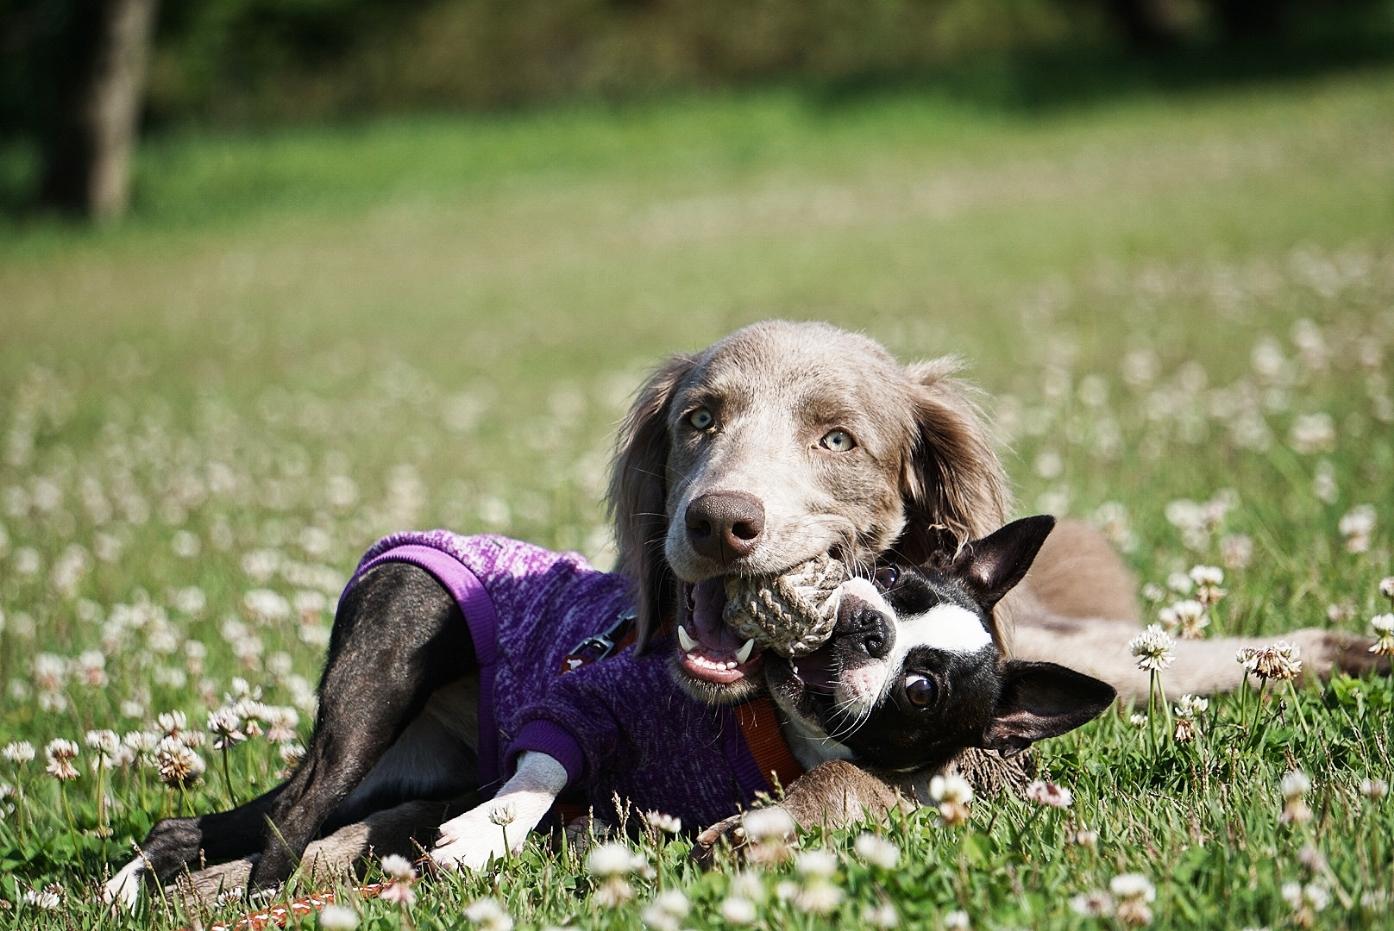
<point>701,419</point>
<point>839,441</point>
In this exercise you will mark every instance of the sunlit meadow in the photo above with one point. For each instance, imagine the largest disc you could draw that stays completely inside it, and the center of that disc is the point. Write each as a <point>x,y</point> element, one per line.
<point>1182,311</point>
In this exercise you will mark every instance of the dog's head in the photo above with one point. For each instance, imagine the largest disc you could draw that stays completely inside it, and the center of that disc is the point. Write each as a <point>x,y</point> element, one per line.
<point>913,674</point>
<point>776,444</point>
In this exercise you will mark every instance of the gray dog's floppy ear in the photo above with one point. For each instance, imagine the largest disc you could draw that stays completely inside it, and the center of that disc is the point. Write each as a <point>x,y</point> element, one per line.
<point>1040,700</point>
<point>638,496</point>
<point>954,487</point>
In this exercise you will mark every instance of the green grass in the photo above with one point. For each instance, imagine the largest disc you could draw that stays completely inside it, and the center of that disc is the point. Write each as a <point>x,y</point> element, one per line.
<point>304,339</point>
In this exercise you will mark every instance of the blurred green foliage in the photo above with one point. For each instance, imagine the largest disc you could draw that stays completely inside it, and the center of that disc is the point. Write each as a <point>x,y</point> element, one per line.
<point>253,61</point>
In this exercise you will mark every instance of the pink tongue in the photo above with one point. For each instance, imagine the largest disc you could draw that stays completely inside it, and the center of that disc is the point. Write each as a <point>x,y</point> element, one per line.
<point>711,633</point>
<point>816,669</point>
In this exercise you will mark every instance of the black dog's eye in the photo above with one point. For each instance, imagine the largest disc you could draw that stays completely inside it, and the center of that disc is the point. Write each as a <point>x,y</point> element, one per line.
<point>920,690</point>
<point>886,577</point>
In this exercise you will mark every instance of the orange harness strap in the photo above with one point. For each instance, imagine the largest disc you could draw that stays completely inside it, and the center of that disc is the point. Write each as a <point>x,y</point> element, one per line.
<point>760,728</point>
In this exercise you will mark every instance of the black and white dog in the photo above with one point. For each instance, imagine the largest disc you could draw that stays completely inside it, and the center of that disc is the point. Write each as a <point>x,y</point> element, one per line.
<point>912,676</point>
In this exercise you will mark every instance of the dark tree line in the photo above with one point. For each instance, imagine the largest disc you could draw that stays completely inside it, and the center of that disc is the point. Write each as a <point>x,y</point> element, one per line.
<point>73,72</point>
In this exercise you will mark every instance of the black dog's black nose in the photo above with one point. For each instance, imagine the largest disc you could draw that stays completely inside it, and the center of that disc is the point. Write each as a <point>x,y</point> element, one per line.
<point>870,628</point>
<point>725,524</point>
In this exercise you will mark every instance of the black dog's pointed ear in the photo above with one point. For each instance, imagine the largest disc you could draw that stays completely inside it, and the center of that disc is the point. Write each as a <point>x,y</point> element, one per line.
<point>990,567</point>
<point>1040,700</point>
<point>638,497</point>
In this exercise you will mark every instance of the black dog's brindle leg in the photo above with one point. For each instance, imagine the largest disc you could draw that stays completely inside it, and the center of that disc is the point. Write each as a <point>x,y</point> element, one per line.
<point>398,636</point>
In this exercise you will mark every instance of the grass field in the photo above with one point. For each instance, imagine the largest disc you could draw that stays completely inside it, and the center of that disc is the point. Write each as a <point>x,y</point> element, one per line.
<point>305,339</point>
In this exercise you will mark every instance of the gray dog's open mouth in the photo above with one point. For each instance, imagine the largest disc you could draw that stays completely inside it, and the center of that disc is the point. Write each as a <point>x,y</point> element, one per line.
<point>708,649</point>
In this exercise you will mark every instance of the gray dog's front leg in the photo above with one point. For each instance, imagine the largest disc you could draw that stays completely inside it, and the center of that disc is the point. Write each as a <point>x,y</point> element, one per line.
<point>839,794</point>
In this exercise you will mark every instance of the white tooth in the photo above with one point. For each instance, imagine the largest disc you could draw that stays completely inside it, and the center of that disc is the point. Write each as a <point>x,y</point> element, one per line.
<point>743,653</point>
<point>687,643</point>
<point>730,664</point>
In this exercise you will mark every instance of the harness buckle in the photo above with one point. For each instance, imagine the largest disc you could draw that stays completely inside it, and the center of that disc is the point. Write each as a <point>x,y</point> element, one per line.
<point>598,646</point>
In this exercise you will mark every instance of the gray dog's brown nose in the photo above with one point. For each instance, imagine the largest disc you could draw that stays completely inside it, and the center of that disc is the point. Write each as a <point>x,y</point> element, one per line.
<point>725,524</point>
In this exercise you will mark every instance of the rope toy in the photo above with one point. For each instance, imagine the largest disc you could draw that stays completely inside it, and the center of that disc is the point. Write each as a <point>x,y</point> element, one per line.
<point>792,614</point>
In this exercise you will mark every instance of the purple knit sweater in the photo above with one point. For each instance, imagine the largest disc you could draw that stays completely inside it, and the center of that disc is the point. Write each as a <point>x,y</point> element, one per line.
<point>620,726</point>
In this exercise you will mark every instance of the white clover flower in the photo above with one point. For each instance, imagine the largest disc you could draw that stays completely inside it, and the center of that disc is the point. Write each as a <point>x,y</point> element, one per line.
<point>747,884</point>
<point>613,859</point>
<point>877,851</point>
<point>957,921</point>
<point>667,910</point>
<point>1236,550</point>
<point>266,606</point>
<point>1187,619</point>
<point>1191,705</point>
<point>489,914</point>
<point>1180,583</point>
<point>1295,784</point>
<point>1279,661</point>
<point>1384,630</point>
<point>819,897</point>
<point>1133,886</point>
<point>952,788</point>
<point>1313,433</point>
<point>91,668</point>
<point>953,793</point>
<point>179,766</point>
<point>50,672</point>
<point>1357,526</point>
<point>1137,719</point>
<point>1095,904</point>
<point>1152,648</point>
<point>1208,580</point>
<point>19,752</point>
<point>816,864</point>
<point>1386,587</point>
<point>665,824</point>
<point>60,754</point>
<point>225,724</point>
<point>104,742</point>
<point>1086,837</point>
<point>1312,896</point>
<point>171,722</point>
<point>292,754</point>
<point>338,918</point>
<point>397,867</point>
<point>141,743</point>
<point>281,722</point>
<point>1374,789</point>
<point>883,915</point>
<point>738,911</point>
<point>773,823</point>
<point>399,892</point>
<point>47,899</point>
<point>1049,794</point>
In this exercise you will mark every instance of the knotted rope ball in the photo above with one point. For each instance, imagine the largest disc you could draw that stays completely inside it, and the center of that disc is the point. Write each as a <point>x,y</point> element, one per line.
<point>794,613</point>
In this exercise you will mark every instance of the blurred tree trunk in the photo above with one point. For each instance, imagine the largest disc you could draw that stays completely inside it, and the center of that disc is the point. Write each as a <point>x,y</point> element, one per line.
<point>100,81</point>
<point>1146,24</point>
<point>1242,20</point>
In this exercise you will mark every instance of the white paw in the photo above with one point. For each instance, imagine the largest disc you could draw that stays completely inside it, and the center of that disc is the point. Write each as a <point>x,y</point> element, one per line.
<point>123,889</point>
<point>471,840</point>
